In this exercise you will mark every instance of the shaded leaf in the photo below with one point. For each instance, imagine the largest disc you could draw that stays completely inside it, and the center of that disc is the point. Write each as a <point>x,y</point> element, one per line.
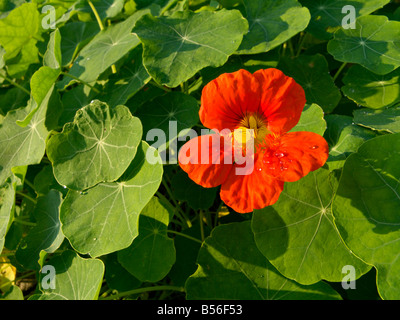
<point>151,254</point>
<point>231,267</point>
<point>366,209</point>
<point>381,120</point>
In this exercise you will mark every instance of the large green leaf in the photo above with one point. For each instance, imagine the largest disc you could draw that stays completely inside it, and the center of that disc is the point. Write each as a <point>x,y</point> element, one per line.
<point>312,73</point>
<point>98,146</point>
<point>326,15</point>
<point>271,23</point>
<point>370,89</point>
<point>366,209</point>
<point>231,267</point>
<point>110,211</point>
<point>387,120</point>
<point>297,233</point>
<point>312,119</point>
<point>23,145</point>
<point>46,235</point>
<point>374,43</point>
<point>344,137</point>
<point>105,49</point>
<point>178,46</point>
<point>76,278</point>
<point>19,33</point>
<point>152,254</point>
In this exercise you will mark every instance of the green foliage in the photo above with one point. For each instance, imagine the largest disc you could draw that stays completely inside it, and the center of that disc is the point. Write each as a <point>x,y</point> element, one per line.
<point>89,189</point>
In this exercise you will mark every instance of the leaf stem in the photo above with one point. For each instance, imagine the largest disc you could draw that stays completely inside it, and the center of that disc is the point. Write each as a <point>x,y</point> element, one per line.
<point>302,40</point>
<point>168,6</point>
<point>96,14</point>
<point>18,278</point>
<point>15,84</point>
<point>142,290</point>
<point>185,236</point>
<point>184,217</point>
<point>201,217</point>
<point>81,81</point>
<point>155,84</point>
<point>339,71</point>
<point>23,222</point>
<point>26,196</point>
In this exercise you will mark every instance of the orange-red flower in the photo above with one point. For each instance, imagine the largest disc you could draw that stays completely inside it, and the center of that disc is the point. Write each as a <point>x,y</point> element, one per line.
<point>267,105</point>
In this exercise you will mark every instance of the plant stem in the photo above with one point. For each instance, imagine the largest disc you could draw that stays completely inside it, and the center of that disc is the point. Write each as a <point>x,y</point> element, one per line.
<point>29,184</point>
<point>184,235</point>
<point>168,6</point>
<point>26,223</point>
<point>339,71</point>
<point>303,38</point>
<point>18,278</point>
<point>155,84</point>
<point>201,217</point>
<point>142,290</point>
<point>81,81</point>
<point>26,196</point>
<point>185,218</point>
<point>96,14</point>
<point>15,84</point>
<point>290,45</point>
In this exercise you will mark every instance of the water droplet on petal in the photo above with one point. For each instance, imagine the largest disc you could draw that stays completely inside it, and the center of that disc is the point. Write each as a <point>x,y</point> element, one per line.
<point>279,154</point>
<point>266,161</point>
<point>259,169</point>
<point>283,168</point>
<point>314,147</point>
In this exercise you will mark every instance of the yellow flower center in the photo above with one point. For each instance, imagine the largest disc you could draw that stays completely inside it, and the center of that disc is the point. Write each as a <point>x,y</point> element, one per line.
<point>252,126</point>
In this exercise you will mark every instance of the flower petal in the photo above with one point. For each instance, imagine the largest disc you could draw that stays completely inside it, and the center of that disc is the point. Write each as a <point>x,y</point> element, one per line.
<point>226,100</point>
<point>282,100</point>
<point>294,155</point>
<point>207,159</point>
<point>244,193</point>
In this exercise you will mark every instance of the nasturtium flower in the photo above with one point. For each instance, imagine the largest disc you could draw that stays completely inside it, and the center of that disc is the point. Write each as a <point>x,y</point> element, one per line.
<point>262,107</point>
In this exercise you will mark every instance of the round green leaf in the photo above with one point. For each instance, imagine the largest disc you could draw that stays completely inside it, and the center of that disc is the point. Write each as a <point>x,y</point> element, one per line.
<point>298,236</point>
<point>76,278</point>
<point>327,15</point>
<point>177,46</point>
<point>370,89</point>
<point>152,254</point>
<point>381,120</point>
<point>98,146</point>
<point>366,209</point>
<point>110,211</point>
<point>375,44</point>
<point>231,267</point>
<point>271,23</point>
<point>312,73</point>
